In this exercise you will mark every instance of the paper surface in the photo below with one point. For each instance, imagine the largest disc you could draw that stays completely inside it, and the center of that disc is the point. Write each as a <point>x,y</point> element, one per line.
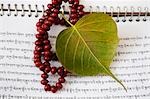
<point>20,79</point>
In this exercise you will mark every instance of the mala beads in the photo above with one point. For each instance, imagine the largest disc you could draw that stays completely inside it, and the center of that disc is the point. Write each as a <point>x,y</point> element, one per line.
<point>42,52</point>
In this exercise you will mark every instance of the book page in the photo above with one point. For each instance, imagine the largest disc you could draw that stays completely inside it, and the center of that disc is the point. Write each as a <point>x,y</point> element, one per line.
<point>20,79</point>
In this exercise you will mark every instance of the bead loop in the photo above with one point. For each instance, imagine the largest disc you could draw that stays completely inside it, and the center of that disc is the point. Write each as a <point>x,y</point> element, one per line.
<point>42,53</point>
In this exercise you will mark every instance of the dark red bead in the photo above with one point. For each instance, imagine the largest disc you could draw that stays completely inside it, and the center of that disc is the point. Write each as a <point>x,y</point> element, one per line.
<point>38,64</point>
<point>62,22</point>
<point>80,7</point>
<point>54,2</point>
<point>50,6</point>
<point>47,87</point>
<point>73,16</point>
<point>38,42</point>
<point>46,42</point>
<point>60,71</point>
<point>42,67</point>
<point>53,70</point>
<point>38,36</point>
<point>49,23</point>
<point>61,80</point>
<point>57,21</point>
<point>38,48</point>
<point>59,85</point>
<point>48,12</point>
<point>36,52</point>
<point>46,64</point>
<point>41,20</point>
<point>47,47</point>
<point>73,21</point>
<point>73,11</point>
<point>37,56</point>
<point>47,69</point>
<point>57,7</point>
<point>65,1</point>
<point>44,76</point>
<point>47,58</point>
<point>59,1</point>
<point>41,31</point>
<point>47,53</point>
<point>81,13</point>
<point>54,15</point>
<point>37,60</point>
<point>44,82</point>
<point>45,27</point>
<point>51,19</point>
<point>71,1</point>
<point>53,89</point>
<point>45,37</point>
<point>38,24</point>
<point>76,2</point>
<point>56,11</point>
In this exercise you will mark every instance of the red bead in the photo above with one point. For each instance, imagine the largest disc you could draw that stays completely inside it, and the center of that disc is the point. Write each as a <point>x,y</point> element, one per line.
<point>47,58</point>
<point>38,64</point>
<point>46,42</point>
<point>41,20</point>
<point>44,76</point>
<point>56,11</point>
<point>61,80</point>
<point>76,2</point>
<point>37,56</point>
<point>59,85</point>
<point>46,64</point>
<point>57,21</point>
<point>60,71</point>
<point>65,1</point>
<point>45,27</point>
<point>42,67</point>
<point>47,53</point>
<point>37,60</point>
<point>47,87</point>
<point>73,21</point>
<point>54,15</point>
<point>53,89</point>
<point>38,42</point>
<point>73,11</point>
<point>36,52</point>
<point>44,82</point>
<point>51,19</point>
<point>54,2</point>
<point>38,24</point>
<point>81,13</point>
<point>41,31</point>
<point>53,70</point>
<point>80,7</point>
<point>47,47</point>
<point>48,12</point>
<point>47,69</point>
<point>38,36</point>
<point>45,37</point>
<point>50,6</point>
<point>71,1</point>
<point>73,16</point>
<point>49,23</point>
<point>62,22</point>
<point>38,48</point>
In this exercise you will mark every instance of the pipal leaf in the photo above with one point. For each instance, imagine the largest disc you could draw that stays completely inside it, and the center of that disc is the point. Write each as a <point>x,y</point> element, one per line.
<point>88,47</point>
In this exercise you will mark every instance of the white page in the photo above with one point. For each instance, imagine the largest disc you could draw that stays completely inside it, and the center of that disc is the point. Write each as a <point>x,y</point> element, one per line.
<point>20,79</point>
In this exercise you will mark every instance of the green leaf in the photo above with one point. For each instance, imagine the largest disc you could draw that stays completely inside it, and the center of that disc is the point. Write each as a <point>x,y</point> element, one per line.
<point>88,47</point>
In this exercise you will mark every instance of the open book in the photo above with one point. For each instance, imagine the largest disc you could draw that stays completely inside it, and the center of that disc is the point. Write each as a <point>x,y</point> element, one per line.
<point>20,79</point>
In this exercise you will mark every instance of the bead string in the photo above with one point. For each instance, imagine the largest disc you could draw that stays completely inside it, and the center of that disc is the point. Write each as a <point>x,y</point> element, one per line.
<point>42,52</point>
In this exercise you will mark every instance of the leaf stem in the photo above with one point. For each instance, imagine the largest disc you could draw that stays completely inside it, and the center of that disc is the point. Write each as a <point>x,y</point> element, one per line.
<point>67,20</point>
